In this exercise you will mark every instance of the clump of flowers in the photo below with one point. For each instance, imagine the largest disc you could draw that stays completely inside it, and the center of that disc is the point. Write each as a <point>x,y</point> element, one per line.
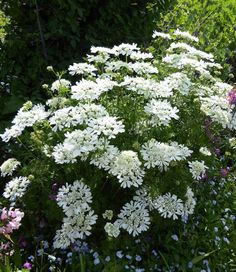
<point>10,220</point>
<point>125,135</point>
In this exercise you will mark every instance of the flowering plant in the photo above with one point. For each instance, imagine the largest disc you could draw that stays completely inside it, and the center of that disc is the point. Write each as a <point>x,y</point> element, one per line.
<point>121,145</point>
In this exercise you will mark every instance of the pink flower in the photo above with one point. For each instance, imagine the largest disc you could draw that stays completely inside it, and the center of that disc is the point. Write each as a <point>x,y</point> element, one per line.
<point>27,265</point>
<point>4,214</point>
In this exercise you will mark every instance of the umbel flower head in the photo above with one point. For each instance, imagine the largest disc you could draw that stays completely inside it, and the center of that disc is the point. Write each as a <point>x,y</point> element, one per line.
<point>120,135</point>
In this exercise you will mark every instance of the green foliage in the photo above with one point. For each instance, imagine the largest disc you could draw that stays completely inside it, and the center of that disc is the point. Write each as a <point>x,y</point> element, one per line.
<point>213,21</point>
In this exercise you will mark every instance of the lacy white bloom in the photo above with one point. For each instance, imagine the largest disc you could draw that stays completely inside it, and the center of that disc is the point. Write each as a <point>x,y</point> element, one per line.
<point>161,154</point>
<point>127,168</point>
<point>197,169</point>
<point>74,228</point>
<point>179,81</point>
<point>74,200</point>
<point>149,88</point>
<point>141,56</point>
<point>60,83</point>
<point>161,34</point>
<point>108,214</point>
<point>143,197</point>
<point>161,111</point>
<point>112,230</point>
<point>24,118</point>
<point>125,49</point>
<point>218,109</point>
<point>91,90</point>
<point>78,143</point>
<point>101,58</point>
<point>73,116</point>
<point>103,50</point>
<point>143,68</point>
<point>106,158</point>
<point>191,50</point>
<point>169,206</point>
<point>190,203</point>
<point>205,151</point>
<point>134,218</point>
<point>57,102</point>
<point>107,125</point>
<point>9,166</point>
<point>16,188</point>
<point>82,68</point>
<point>186,35</point>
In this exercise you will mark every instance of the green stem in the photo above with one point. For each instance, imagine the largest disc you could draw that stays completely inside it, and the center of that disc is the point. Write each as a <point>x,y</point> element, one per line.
<point>82,263</point>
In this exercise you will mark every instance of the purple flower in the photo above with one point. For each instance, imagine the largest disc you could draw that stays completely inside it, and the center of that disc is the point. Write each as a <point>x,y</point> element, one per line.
<point>231,97</point>
<point>27,265</point>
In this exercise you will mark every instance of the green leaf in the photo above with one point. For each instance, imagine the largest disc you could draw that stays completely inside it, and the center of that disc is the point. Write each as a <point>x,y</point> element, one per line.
<point>199,258</point>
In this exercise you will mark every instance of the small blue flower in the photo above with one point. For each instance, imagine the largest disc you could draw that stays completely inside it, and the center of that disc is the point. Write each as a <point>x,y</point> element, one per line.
<point>119,254</point>
<point>190,265</point>
<point>175,237</point>
<point>216,229</point>
<point>138,258</point>
<point>226,240</point>
<point>128,257</point>
<point>96,261</point>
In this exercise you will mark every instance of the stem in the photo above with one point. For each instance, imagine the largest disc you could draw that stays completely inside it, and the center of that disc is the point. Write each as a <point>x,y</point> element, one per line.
<point>82,263</point>
<point>40,30</point>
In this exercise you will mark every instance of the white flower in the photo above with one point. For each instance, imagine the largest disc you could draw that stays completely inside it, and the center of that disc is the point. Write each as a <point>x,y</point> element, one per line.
<point>112,229</point>
<point>106,125</point>
<point>141,56</point>
<point>161,154</point>
<point>78,143</point>
<point>74,198</point>
<point>169,206</point>
<point>161,111</point>
<point>125,49</point>
<point>16,188</point>
<point>143,68</point>
<point>205,151</point>
<point>143,197</point>
<point>190,203</point>
<point>218,109</point>
<point>197,169</point>
<point>104,158</point>
<point>91,90</point>
<point>179,81</point>
<point>82,68</point>
<point>108,214</point>
<point>60,83</point>
<point>133,218</point>
<point>127,168</point>
<point>149,88</point>
<point>161,34</point>
<point>186,35</point>
<point>24,118</point>
<point>9,166</point>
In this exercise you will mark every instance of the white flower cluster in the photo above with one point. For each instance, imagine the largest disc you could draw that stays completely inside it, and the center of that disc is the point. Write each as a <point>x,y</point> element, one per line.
<point>60,83</point>
<point>161,111</point>
<point>24,118</point>
<point>127,168</point>
<point>197,169</point>
<point>9,166</point>
<point>134,218</point>
<point>161,154</point>
<point>16,188</point>
<point>75,201</point>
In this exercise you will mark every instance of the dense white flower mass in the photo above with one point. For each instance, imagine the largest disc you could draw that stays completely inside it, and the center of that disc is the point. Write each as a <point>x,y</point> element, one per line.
<point>161,155</point>
<point>105,157</point>
<point>217,108</point>
<point>78,143</point>
<point>16,188</point>
<point>9,166</point>
<point>149,88</point>
<point>105,125</point>
<point>169,206</point>
<point>197,169</point>
<point>74,200</point>
<point>91,90</point>
<point>180,82</point>
<point>73,116</point>
<point>127,168</point>
<point>205,151</point>
<point>60,83</point>
<point>161,111</point>
<point>133,218</point>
